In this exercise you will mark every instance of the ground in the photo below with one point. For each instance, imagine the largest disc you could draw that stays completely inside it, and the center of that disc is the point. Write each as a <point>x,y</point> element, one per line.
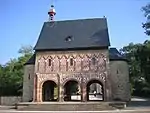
<point>137,105</point>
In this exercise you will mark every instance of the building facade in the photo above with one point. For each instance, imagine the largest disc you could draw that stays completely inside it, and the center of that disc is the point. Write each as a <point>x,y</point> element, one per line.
<point>73,62</point>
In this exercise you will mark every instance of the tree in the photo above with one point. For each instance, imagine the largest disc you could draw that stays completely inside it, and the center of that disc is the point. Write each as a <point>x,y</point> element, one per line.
<point>139,65</point>
<point>146,25</point>
<point>26,50</point>
<point>11,74</point>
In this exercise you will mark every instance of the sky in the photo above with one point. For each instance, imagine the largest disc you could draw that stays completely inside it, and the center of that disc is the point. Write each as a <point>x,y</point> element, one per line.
<point>21,21</point>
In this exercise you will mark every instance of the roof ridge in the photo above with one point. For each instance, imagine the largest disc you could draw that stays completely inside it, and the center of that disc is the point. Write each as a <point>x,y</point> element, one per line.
<point>80,19</point>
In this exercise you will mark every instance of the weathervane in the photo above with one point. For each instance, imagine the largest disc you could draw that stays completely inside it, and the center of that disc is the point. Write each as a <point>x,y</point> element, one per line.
<point>51,13</point>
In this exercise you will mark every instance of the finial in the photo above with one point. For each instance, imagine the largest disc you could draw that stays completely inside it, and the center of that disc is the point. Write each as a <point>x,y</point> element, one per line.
<point>51,13</point>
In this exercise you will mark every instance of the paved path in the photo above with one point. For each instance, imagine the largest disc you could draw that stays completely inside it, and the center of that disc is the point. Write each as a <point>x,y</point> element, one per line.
<point>137,105</point>
<point>114,111</point>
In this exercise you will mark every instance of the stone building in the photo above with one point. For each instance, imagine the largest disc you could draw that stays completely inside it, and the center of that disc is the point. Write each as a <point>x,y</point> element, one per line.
<point>73,62</point>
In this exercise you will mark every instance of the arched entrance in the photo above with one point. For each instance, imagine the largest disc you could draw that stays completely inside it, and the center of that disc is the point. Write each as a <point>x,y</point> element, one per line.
<point>49,91</point>
<point>95,91</point>
<point>72,91</point>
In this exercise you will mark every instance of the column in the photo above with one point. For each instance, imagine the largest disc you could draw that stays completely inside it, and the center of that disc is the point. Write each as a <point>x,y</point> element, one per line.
<point>84,92</point>
<point>35,89</point>
<point>61,93</point>
<point>38,94</point>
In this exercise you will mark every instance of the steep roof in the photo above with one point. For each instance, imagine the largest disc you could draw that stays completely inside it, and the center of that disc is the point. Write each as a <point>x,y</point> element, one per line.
<point>81,33</point>
<point>113,55</point>
<point>31,61</point>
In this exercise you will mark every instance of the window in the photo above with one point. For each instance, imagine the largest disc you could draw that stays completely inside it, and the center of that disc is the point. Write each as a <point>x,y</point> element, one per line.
<point>29,76</point>
<point>68,38</point>
<point>117,71</point>
<point>49,62</point>
<point>93,60</point>
<point>71,62</point>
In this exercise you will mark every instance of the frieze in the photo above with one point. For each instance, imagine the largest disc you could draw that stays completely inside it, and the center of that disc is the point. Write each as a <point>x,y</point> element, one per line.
<point>66,78</point>
<point>82,62</point>
<point>100,76</point>
<point>44,77</point>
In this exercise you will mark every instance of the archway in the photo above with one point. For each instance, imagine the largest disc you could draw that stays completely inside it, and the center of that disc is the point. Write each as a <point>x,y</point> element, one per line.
<point>72,91</point>
<point>49,91</point>
<point>95,91</point>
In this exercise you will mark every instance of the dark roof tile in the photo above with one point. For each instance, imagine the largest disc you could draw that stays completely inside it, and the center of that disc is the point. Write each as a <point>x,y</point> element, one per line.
<point>31,60</point>
<point>114,54</point>
<point>83,32</point>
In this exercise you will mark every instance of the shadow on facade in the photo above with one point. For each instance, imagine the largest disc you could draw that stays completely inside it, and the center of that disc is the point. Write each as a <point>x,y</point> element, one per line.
<point>95,91</point>
<point>72,91</point>
<point>49,91</point>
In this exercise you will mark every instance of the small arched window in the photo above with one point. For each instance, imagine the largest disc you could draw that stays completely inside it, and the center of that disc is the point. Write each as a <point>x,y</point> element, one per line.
<point>71,62</point>
<point>93,60</point>
<point>29,76</point>
<point>49,62</point>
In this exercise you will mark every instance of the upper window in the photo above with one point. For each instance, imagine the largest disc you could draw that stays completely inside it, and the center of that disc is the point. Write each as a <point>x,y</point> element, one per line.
<point>71,62</point>
<point>93,60</point>
<point>49,62</point>
<point>29,76</point>
<point>68,38</point>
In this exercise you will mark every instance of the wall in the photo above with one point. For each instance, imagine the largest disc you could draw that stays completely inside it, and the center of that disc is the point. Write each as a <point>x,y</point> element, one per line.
<point>119,75</point>
<point>10,100</point>
<point>28,83</point>
<point>82,68</point>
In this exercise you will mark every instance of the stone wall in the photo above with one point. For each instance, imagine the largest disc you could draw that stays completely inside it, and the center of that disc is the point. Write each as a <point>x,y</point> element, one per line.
<point>28,83</point>
<point>114,75</point>
<point>10,100</point>
<point>119,75</point>
<point>86,65</point>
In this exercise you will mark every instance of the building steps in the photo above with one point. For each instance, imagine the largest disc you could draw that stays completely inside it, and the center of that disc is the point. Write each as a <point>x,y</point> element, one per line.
<point>69,106</point>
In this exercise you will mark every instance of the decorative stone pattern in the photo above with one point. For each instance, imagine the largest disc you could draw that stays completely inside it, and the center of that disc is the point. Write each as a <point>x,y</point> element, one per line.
<point>99,76</point>
<point>87,65</point>
<point>81,62</point>
<point>61,67</point>
<point>41,78</point>
<point>65,78</point>
<point>44,77</point>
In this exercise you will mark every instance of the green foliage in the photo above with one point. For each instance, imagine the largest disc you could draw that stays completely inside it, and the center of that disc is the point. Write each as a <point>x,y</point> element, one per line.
<point>146,25</point>
<point>11,74</point>
<point>139,65</point>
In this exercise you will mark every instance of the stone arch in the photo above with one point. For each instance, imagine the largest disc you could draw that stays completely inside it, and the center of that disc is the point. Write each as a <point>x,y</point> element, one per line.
<point>98,92</point>
<point>71,79</point>
<point>72,90</point>
<point>96,79</point>
<point>49,91</point>
<point>43,81</point>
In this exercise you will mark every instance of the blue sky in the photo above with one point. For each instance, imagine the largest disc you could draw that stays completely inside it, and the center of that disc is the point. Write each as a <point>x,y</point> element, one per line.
<point>21,20</point>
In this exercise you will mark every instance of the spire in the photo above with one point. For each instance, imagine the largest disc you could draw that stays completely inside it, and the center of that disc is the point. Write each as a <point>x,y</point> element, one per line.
<point>51,13</point>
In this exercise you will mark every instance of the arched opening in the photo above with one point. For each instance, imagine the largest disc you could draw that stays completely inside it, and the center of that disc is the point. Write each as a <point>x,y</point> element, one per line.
<point>49,91</point>
<point>72,91</point>
<point>95,91</point>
